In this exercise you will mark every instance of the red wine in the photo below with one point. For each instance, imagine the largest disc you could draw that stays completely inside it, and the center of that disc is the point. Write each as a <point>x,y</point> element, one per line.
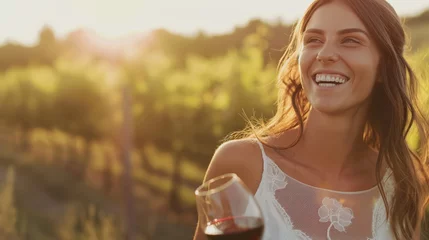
<point>237,228</point>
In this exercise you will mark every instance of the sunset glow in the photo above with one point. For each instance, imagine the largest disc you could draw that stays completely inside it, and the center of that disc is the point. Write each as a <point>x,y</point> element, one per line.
<point>112,19</point>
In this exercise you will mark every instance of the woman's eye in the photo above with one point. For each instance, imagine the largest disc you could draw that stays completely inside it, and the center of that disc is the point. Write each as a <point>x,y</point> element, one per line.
<point>313,40</point>
<point>351,40</point>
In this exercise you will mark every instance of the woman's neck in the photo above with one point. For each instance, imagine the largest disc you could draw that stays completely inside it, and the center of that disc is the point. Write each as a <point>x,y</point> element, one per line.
<point>332,144</point>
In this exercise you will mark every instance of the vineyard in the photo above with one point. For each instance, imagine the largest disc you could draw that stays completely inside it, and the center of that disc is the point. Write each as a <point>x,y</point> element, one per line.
<point>62,167</point>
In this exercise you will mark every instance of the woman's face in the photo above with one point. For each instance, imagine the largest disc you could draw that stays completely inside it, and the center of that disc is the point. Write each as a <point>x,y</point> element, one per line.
<point>338,60</point>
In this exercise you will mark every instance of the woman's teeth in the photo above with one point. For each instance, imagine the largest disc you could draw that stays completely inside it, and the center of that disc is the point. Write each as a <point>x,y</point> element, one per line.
<point>327,84</point>
<point>329,80</point>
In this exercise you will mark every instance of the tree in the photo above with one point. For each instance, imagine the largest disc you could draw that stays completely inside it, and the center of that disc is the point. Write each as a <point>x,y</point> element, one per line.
<point>48,47</point>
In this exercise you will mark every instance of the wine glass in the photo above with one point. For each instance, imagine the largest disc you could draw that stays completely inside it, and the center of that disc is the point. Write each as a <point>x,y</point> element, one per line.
<point>228,210</point>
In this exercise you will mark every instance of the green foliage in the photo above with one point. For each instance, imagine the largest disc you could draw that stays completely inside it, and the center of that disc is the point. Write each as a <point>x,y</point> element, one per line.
<point>23,99</point>
<point>81,106</point>
<point>419,62</point>
<point>94,227</point>
<point>196,106</point>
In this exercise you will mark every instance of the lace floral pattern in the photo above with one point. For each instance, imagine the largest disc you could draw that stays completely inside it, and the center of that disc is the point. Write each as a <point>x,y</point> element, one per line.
<point>334,212</point>
<point>279,225</point>
<point>380,223</point>
<point>276,176</point>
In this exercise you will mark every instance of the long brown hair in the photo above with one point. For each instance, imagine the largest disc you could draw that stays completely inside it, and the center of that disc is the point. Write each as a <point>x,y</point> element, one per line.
<point>392,113</point>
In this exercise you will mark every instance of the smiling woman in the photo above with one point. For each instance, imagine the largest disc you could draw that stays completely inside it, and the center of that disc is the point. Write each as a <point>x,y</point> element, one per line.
<point>335,162</point>
<point>338,49</point>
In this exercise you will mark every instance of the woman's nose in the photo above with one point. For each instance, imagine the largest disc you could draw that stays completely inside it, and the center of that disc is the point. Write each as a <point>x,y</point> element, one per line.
<point>327,54</point>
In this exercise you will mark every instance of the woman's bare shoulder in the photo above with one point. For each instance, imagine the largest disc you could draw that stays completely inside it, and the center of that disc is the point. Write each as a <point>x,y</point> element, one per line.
<point>243,157</point>
<point>240,147</point>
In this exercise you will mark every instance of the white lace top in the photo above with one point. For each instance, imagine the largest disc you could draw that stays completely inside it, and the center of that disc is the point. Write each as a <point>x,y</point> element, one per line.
<point>296,211</point>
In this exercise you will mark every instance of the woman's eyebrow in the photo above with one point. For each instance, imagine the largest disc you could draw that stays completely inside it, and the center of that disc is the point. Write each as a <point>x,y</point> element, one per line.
<point>341,32</point>
<point>353,30</point>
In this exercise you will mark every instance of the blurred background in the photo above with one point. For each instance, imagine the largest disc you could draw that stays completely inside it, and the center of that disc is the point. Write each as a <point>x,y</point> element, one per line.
<point>110,111</point>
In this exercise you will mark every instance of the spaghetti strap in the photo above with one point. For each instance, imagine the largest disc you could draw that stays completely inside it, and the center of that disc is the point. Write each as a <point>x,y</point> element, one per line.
<point>261,146</point>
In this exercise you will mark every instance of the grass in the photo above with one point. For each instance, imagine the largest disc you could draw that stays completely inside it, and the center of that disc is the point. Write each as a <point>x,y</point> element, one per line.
<point>63,188</point>
<point>42,192</point>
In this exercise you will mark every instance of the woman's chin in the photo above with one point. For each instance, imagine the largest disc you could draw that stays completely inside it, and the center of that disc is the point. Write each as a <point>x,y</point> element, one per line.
<point>329,109</point>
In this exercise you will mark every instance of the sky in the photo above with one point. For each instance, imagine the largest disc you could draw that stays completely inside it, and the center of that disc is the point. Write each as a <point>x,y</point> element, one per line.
<point>21,20</point>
